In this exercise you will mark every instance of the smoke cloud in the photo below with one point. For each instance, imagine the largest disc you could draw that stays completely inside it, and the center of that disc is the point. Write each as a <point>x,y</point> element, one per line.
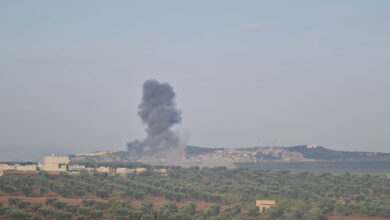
<point>158,111</point>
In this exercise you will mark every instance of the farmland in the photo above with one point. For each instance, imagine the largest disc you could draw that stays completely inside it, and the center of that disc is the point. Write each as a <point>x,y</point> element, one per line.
<point>195,193</point>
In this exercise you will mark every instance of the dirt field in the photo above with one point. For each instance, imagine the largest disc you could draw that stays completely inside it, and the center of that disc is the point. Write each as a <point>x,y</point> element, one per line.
<point>36,197</point>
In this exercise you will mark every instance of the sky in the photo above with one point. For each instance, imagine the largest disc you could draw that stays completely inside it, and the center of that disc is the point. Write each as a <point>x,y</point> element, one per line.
<point>246,73</point>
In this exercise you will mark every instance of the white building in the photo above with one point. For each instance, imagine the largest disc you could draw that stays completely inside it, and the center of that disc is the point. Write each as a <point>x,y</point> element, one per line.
<point>54,163</point>
<point>124,171</point>
<point>103,169</point>
<point>162,171</point>
<point>141,170</point>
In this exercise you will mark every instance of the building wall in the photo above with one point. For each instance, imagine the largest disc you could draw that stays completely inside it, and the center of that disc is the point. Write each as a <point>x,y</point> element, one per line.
<point>54,167</point>
<point>31,167</point>
<point>124,170</point>
<point>7,167</point>
<point>56,159</point>
<point>55,163</point>
<point>264,204</point>
<point>103,169</point>
<point>161,171</point>
<point>141,170</point>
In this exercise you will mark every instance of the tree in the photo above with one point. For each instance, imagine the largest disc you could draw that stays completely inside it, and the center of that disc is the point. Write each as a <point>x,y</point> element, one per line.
<point>253,211</point>
<point>96,214</point>
<point>47,212</point>
<point>43,190</point>
<point>146,206</point>
<point>26,190</point>
<point>17,214</point>
<point>63,215</point>
<point>313,214</point>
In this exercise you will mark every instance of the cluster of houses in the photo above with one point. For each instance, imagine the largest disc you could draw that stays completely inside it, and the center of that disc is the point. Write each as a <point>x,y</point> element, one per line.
<point>61,164</point>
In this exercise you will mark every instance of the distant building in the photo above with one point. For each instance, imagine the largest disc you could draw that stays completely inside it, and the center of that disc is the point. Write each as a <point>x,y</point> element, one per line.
<point>124,171</point>
<point>103,169</point>
<point>311,146</point>
<point>141,170</point>
<point>54,163</point>
<point>162,171</point>
<point>28,167</point>
<point>1,172</point>
<point>18,167</point>
<point>264,204</point>
<point>4,166</point>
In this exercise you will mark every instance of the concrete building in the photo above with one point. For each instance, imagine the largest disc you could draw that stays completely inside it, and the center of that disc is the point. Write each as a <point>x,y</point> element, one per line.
<point>103,169</point>
<point>5,166</point>
<point>141,170</point>
<point>124,171</point>
<point>264,204</point>
<point>162,171</point>
<point>54,163</point>
<point>29,167</point>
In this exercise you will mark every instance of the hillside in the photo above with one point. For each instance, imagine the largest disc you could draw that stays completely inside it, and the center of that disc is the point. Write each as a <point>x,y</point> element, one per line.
<point>322,153</point>
<point>294,153</point>
<point>198,155</point>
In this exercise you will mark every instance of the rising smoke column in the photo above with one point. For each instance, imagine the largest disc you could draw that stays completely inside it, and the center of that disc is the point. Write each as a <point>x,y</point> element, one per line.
<point>158,111</point>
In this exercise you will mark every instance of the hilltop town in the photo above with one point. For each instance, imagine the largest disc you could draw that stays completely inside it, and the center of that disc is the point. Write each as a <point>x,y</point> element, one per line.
<point>196,155</point>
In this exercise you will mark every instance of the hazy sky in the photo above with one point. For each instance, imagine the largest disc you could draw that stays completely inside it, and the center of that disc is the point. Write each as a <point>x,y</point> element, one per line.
<point>245,72</point>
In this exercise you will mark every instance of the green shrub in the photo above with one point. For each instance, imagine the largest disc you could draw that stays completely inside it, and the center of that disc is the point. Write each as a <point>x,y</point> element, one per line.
<point>96,214</point>
<point>47,212</point>
<point>17,214</point>
<point>8,189</point>
<point>63,215</point>
<point>49,201</point>
<point>23,204</point>
<point>26,190</point>
<point>43,190</point>
<point>83,211</point>
<point>59,204</point>
<point>71,208</point>
<point>13,201</point>
<point>36,206</point>
<point>102,205</point>
<point>88,203</point>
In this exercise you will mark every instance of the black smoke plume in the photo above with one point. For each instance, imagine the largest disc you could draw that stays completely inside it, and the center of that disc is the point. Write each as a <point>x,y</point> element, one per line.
<point>158,111</point>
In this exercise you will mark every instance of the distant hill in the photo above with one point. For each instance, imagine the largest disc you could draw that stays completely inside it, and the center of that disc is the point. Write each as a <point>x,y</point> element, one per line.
<point>199,155</point>
<point>322,153</point>
<point>195,150</point>
<point>294,153</point>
